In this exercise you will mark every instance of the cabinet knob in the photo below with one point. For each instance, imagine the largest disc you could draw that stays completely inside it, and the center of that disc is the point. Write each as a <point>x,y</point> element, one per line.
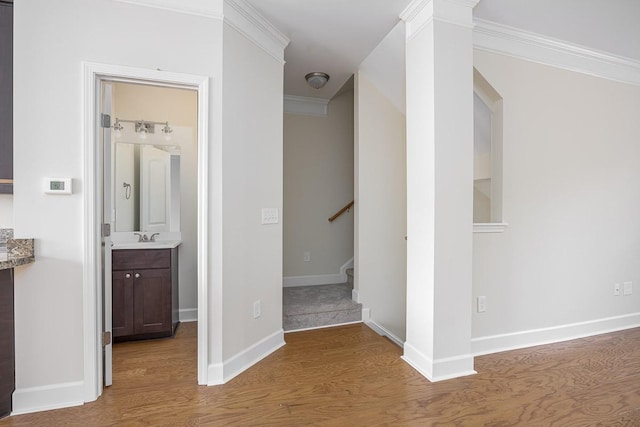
<point>127,276</point>
<point>137,275</point>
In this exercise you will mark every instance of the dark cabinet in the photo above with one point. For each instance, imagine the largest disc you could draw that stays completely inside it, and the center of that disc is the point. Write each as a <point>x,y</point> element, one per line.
<point>144,293</point>
<point>6,96</point>
<point>7,342</point>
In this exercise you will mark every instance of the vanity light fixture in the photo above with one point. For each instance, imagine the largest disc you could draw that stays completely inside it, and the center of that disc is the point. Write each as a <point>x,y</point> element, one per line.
<point>117,129</point>
<point>144,128</point>
<point>317,79</point>
<point>166,130</point>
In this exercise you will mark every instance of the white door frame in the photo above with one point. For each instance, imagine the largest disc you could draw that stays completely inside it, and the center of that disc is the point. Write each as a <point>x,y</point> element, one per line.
<point>93,73</point>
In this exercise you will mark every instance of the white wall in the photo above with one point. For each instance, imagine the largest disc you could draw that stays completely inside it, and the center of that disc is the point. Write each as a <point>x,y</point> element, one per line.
<point>381,208</point>
<point>51,41</point>
<point>571,184</point>
<point>180,108</point>
<point>318,181</point>
<point>252,180</point>
<point>6,210</point>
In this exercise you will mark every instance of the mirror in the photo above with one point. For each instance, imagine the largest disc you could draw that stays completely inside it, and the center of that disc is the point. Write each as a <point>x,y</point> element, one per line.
<point>146,187</point>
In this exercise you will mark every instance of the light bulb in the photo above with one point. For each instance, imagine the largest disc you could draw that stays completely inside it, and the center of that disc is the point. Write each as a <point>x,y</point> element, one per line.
<point>117,129</point>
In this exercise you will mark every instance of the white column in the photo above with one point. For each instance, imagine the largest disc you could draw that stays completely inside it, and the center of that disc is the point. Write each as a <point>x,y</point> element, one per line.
<point>439,72</point>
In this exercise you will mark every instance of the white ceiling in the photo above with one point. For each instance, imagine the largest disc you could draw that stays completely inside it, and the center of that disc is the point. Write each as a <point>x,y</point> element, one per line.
<point>332,36</point>
<point>335,36</point>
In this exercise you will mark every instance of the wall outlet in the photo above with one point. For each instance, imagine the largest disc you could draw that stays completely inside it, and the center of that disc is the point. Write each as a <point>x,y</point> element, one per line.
<point>627,288</point>
<point>616,289</point>
<point>482,304</point>
<point>256,309</point>
<point>269,215</point>
<point>307,256</point>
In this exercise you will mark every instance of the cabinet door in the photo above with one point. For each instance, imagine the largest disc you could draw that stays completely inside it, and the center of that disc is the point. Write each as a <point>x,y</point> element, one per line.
<point>6,98</point>
<point>152,298</point>
<point>122,305</point>
<point>7,354</point>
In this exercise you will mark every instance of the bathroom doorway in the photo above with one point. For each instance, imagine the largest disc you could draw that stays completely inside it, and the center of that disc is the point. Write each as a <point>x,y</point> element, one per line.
<point>101,207</point>
<point>150,204</point>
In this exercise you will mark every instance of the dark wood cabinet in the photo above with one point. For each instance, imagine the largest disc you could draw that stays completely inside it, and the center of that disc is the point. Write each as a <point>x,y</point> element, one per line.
<point>144,293</point>
<point>7,342</point>
<point>6,96</point>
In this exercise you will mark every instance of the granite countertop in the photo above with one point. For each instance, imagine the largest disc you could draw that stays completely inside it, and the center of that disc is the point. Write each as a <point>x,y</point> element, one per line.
<point>14,252</point>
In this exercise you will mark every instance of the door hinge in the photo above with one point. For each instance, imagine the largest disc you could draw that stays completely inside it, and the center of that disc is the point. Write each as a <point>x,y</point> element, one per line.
<point>106,230</point>
<point>106,338</point>
<point>105,120</point>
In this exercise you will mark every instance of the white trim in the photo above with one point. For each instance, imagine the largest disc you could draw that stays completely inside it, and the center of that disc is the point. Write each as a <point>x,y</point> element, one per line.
<point>489,227</point>
<point>188,314</point>
<point>206,8</point>
<point>315,280</point>
<point>245,19</point>
<point>421,13</point>
<point>242,361</point>
<point>44,398</point>
<point>439,369</point>
<point>319,279</point>
<point>533,337</point>
<point>344,267</point>
<point>305,106</point>
<point>312,328</point>
<point>498,38</point>
<point>92,300</point>
<point>382,331</point>
<point>356,297</point>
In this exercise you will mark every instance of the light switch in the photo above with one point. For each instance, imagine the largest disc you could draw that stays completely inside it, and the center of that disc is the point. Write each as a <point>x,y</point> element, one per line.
<point>269,215</point>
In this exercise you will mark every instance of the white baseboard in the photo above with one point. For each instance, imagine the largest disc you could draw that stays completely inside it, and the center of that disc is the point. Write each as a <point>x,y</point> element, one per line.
<point>44,398</point>
<point>323,326</point>
<point>242,361</point>
<point>344,267</point>
<point>319,279</point>
<point>188,314</point>
<point>382,331</point>
<point>439,369</point>
<point>533,337</point>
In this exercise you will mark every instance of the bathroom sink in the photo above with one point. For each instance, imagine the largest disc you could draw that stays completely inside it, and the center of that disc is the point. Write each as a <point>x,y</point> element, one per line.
<point>161,244</point>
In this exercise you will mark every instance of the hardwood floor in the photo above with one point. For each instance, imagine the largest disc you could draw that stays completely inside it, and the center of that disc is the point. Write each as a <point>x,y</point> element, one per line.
<point>350,376</point>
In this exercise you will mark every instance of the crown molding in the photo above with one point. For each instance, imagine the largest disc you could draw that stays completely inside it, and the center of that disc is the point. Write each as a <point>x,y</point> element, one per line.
<point>305,106</point>
<point>204,8</point>
<point>245,19</point>
<point>419,13</point>
<point>497,38</point>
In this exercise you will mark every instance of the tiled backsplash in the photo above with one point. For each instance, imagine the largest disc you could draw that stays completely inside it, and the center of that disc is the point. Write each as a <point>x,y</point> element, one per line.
<point>5,234</point>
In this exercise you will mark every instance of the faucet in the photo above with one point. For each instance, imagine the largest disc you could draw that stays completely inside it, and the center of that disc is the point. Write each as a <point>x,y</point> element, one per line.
<point>153,237</point>
<point>142,237</point>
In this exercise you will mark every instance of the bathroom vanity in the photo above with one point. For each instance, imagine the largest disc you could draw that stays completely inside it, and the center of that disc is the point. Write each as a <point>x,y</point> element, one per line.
<point>144,291</point>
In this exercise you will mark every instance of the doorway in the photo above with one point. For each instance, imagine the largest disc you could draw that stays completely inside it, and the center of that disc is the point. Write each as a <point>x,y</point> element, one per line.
<point>97,234</point>
<point>150,181</point>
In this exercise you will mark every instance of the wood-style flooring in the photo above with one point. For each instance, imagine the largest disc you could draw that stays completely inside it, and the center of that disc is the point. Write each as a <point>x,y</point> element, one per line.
<point>350,376</point>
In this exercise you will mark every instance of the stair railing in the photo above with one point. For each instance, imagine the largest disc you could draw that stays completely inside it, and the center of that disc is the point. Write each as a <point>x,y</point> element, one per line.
<point>341,211</point>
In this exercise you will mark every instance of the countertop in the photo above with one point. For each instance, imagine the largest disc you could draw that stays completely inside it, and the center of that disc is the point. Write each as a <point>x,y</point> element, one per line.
<point>162,244</point>
<point>19,252</point>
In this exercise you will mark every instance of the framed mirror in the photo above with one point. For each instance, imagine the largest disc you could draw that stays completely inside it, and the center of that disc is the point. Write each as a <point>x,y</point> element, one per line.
<point>146,187</point>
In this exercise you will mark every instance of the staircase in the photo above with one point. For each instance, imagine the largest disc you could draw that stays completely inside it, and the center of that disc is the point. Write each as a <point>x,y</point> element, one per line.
<point>306,307</point>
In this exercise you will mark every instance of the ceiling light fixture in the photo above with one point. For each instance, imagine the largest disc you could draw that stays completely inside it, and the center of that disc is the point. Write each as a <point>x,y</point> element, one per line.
<point>317,80</point>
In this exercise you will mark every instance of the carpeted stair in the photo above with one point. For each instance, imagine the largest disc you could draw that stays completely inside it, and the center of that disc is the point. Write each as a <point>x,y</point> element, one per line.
<point>316,306</point>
